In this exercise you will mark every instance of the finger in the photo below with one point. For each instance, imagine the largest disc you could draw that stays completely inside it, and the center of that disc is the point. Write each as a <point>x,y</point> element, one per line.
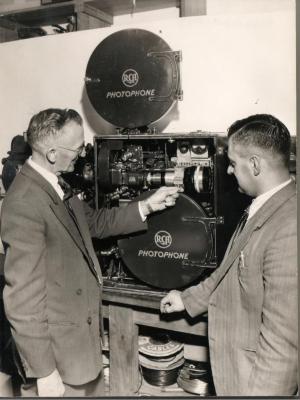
<point>165,300</point>
<point>170,203</point>
<point>169,190</point>
<point>163,189</point>
<point>162,306</point>
<point>166,308</point>
<point>173,189</point>
<point>169,308</point>
<point>172,197</point>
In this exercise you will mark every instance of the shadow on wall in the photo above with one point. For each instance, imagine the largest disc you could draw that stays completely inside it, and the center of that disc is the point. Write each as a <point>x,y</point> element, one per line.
<point>101,127</point>
<point>171,115</point>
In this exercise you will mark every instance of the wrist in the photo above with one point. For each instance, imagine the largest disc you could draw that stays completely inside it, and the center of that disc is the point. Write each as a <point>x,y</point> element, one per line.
<point>146,207</point>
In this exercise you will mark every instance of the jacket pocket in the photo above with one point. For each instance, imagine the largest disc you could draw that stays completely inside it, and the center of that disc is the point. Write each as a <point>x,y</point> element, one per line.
<point>249,349</point>
<point>250,355</point>
<point>245,269</point>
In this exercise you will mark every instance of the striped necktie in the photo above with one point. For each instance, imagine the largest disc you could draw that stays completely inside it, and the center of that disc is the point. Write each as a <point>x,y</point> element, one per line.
<point>240,225</point>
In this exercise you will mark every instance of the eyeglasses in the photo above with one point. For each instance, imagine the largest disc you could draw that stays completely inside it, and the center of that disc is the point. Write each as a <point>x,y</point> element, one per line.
<point>79,151</point>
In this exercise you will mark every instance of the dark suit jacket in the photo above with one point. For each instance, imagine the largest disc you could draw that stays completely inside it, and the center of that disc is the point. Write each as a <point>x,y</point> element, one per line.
<point>51,295</point>
<point>252,305</point>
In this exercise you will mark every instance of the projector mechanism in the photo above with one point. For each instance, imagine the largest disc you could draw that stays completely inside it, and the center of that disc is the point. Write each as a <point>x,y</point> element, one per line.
<point>180,243</point>
<point>126,168</point>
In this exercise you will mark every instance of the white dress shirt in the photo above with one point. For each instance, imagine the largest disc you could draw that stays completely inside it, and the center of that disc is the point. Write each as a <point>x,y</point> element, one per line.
<point>49,176</point>
<point>259,201</point>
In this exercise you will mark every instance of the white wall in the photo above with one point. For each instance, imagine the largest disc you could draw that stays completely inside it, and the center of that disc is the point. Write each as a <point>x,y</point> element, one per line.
<point>147,17</point>
<point>223,7</point>
<point>233,66</point>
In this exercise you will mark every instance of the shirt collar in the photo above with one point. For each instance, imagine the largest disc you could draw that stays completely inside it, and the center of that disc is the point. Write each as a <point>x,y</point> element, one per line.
<point>258,202</point>
<point>49,176</point>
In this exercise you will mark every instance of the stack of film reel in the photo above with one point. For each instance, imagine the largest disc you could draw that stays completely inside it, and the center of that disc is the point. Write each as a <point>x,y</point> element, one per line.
<point>105,357</point>
<point>160,359</point>
<point>194,377</point>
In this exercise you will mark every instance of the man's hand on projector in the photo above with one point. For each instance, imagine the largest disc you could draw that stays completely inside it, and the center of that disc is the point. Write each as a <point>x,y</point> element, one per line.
<point>164,197</point>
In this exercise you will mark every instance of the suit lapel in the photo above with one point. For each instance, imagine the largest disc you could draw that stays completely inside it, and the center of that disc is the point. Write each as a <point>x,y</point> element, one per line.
<point>254,223</point>
<point>85,234</point>
<point>62,214</point>
<point>84,229</point>
<point>56,204</point>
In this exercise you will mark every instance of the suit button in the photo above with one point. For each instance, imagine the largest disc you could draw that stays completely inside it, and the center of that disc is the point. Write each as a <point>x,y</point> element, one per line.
<point>212,304</point>
<point>78,291</point>
<point>89,320</point>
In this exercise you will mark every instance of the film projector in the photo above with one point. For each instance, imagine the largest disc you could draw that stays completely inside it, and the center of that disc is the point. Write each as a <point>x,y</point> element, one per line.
<point>133,87</point>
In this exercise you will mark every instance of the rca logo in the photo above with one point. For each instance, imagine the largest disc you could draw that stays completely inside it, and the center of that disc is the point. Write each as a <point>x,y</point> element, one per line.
<point>130,77</point>
<point>163,239</point>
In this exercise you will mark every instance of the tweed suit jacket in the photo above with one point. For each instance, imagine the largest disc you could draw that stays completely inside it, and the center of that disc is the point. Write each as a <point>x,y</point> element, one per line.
<point>52,298</point>
<point>252,305</point>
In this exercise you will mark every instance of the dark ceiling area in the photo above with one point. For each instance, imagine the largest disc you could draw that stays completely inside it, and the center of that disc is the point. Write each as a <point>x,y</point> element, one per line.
<point>72,15</point>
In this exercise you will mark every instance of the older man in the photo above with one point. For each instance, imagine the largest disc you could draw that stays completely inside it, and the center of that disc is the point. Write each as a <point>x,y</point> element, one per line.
<point>53,279</point>
<point>251,298</point>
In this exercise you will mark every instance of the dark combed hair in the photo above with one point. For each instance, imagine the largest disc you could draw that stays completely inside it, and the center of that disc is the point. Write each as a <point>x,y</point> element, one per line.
<point>263,131</point>
<point>48,123</point>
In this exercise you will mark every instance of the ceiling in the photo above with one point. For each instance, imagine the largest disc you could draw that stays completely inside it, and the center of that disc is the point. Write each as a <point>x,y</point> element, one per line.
<point>20,19</point>
<point>119,7</point>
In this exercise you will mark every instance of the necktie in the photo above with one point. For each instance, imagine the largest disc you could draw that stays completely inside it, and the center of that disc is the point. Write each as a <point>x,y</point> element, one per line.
<point>240,225</point>
<point>68,192</point>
